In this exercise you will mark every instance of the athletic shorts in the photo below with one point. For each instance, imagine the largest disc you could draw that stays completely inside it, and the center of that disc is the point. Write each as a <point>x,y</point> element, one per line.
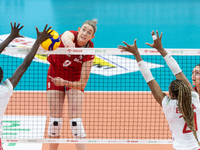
<point>62,74</point>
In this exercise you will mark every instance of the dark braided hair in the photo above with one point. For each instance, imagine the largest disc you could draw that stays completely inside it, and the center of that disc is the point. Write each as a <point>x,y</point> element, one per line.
<point>183,94</point>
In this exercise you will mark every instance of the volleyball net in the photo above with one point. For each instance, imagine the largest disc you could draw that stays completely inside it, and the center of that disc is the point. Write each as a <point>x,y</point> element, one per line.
<point>118,106</point>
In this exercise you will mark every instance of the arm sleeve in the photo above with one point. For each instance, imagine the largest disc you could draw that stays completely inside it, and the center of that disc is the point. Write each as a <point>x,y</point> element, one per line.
<point>165,103</point>
<point>195,96</point>
<point>8,87</point>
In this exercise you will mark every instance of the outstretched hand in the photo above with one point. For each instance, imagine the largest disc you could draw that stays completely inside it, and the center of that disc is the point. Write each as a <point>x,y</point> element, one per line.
<point>129,48</point>
<point>132,49</point>
<point>157,44</point>
<point>44,35</point>
<point>15,30</point>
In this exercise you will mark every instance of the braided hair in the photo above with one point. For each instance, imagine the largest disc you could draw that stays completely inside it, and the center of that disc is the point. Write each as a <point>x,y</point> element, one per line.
<point>183,94</point>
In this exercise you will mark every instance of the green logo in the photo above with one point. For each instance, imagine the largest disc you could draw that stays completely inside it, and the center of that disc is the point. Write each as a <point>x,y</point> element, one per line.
<point>152,141</point>
<point>92,141</point>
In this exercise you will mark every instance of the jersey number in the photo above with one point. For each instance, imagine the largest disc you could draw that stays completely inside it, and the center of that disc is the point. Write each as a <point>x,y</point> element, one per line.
<point>195,123</point>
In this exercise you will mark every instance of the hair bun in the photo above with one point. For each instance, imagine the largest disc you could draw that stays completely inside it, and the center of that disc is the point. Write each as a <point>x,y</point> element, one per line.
<point>95,21</point>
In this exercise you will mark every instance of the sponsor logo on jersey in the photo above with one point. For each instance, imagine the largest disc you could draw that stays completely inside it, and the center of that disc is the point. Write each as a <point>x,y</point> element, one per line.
<point>77,60</point>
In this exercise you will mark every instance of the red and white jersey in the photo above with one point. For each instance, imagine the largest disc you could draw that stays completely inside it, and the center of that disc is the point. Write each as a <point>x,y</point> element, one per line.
<point>69,65</point>
<point>182,136</point>
<point>6,89</point>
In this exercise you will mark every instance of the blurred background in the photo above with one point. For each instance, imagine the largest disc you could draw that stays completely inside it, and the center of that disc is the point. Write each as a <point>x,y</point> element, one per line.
<point>118,20</point>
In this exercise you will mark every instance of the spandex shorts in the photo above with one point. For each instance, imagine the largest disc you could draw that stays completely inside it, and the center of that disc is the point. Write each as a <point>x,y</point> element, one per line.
<point>53,73</point>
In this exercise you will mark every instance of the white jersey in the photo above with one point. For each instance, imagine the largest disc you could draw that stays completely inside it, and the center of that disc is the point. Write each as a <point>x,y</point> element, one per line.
<point>6,89</point>
<point>182,136</point>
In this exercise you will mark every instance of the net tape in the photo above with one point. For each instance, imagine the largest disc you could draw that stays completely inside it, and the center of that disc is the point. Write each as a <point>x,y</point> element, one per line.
<point>99,51</point>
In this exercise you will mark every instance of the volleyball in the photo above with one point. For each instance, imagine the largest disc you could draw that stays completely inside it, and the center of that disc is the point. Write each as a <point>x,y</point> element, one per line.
<point>51,43</point>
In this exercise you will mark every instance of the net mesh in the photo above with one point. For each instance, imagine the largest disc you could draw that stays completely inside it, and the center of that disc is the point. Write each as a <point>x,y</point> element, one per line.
<point>117,101</point>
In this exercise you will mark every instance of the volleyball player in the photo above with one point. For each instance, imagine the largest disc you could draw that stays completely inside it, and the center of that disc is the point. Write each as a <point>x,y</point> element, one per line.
<point>6,88</point>
<point>182,108</point>
<point>68,74</point>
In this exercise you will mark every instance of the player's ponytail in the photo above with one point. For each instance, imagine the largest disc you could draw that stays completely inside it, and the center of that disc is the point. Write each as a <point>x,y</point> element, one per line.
<point>183,94</point>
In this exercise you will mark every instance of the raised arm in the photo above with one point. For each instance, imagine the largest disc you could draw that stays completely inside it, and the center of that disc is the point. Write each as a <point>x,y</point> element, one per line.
<point>14,34</point>
<point>67,39</point>
<point>41,36</point>
<point>153,85</point>
<point>171,62</point>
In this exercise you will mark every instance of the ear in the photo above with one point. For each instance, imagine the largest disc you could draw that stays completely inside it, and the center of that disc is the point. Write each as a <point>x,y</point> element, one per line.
<point>79,28</point>
<point>92,37</point>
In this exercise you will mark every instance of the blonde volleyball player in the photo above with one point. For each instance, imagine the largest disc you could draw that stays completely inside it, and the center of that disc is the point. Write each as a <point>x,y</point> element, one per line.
<point>68,75</point>
<point>182,108</point>
<point>6,88</point>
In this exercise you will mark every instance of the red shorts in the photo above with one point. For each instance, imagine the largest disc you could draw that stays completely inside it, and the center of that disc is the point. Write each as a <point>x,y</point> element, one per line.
<point>62,74</point>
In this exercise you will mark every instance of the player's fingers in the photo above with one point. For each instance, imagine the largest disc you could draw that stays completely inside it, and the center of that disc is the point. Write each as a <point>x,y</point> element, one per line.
<point>161,35</point>
<point>37,29</point>
<point>71,46</point>
<point>126,44</point>
<point>21,27</point>
<point>157,33</point>
<point>45,28</point>
<point>135,41</point>
<point>149,44</point>
<point>152,33</point>
<point>123,50</point>
<point>121,47</point>
<point>14,24</point>
<point>11,24</point>
<point>50,29</point>
<point>18,25</point>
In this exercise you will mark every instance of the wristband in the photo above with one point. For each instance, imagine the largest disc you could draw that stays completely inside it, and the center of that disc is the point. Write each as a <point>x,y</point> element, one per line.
<point>145,71</point>
<point>173,65</point>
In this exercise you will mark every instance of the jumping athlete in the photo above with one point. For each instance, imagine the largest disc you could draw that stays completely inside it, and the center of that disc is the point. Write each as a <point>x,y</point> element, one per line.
<point>182,108</point>
<point>68,75</point>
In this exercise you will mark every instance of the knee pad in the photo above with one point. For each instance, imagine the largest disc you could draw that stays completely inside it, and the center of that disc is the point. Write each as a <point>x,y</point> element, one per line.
<point>55,125</point>
<point>77,128</point>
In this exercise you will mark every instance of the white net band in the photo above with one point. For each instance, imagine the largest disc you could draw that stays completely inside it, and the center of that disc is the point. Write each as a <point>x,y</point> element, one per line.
<point>100,51</point>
